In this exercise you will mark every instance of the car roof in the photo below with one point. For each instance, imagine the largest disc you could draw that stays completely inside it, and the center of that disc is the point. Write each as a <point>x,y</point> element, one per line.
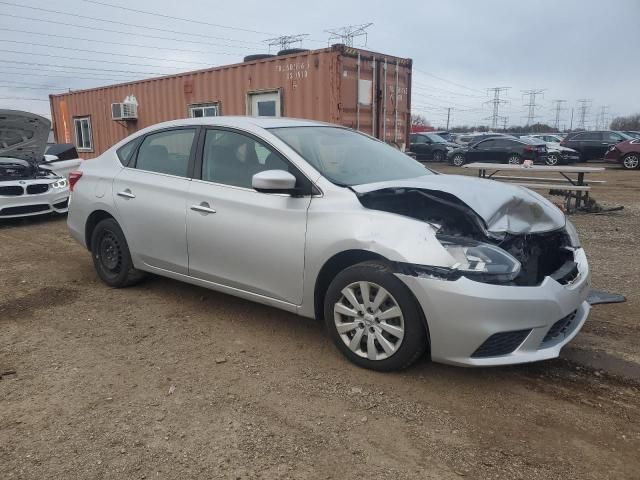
<point>243,121</point>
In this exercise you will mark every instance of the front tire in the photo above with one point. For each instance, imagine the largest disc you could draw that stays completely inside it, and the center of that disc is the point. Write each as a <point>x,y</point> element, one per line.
<point>458,160</point>
<point>552,159</point>
<point>373,318</point>
<point>631,161</point>
<point>111,257</point>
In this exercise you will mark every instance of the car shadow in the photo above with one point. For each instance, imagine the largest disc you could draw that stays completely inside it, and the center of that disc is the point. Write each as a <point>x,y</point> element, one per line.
<point>21,222</point>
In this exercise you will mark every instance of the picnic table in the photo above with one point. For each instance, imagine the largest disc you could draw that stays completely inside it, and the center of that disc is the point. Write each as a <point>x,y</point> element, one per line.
<point>573,179</point>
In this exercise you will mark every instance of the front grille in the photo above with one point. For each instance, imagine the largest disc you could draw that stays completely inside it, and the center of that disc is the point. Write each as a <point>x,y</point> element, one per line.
<point>501,343</point>
<point>11,190</point>
<point>560,328</point>
<point>23,210</point>
<point>37,188</point>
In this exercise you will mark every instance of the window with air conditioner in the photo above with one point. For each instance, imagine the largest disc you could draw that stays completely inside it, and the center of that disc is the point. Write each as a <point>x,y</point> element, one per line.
<point>204,110</point>
<point>83,133</point>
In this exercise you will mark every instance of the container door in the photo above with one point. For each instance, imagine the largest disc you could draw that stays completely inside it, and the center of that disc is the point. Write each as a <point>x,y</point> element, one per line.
<point>264,104</point>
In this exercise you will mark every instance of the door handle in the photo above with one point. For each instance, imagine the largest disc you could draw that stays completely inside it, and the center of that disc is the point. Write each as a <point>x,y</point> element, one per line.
<point>203,208</point>
<point>126,194</point>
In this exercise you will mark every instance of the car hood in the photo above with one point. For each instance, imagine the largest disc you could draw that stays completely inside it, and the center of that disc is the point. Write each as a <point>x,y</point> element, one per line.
<point>23,135</point>
<point>559,148</point>
<point>505,208</point>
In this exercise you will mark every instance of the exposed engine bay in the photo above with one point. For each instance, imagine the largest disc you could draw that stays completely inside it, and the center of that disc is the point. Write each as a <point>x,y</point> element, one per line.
<point>12,169</point>
<point>540,254</point>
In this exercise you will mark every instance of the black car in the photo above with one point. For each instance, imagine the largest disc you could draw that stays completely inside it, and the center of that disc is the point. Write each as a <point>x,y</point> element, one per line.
<point>429,146</point>
<point>593,145</point>
<point>501,150</point>
<point>448,136</point>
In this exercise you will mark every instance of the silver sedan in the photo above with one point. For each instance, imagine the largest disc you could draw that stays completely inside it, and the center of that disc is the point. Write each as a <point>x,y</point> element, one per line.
<point>329,223</point>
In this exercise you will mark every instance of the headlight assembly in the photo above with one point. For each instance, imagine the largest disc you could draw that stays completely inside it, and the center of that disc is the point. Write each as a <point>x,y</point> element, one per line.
<point>480,261</point>
<point>574,239</point>
<point>62,183</point>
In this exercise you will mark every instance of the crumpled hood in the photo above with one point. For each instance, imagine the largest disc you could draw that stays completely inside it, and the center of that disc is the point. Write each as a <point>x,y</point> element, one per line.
<point>23,135</point>
<point>503,207</point>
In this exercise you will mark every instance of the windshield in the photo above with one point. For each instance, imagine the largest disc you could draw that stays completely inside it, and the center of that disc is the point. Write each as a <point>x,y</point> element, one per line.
<point>436,138</point>
<point>349,158</point>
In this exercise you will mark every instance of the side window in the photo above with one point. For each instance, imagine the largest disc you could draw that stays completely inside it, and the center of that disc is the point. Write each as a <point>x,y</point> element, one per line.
<point>486,144</point>
<point>166,152</point>
<point>125,151</point>
<point>231,158</point>
<point>612,137</point>
<point>503,143</point>
<point>587,136</point>
<point>83,133</point>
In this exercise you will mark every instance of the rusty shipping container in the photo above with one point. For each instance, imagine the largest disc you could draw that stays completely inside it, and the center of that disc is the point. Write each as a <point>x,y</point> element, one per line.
<point>352,87</point>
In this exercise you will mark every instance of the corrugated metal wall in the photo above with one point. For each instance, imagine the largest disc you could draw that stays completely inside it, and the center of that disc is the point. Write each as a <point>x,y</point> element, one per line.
<point>318,85</point>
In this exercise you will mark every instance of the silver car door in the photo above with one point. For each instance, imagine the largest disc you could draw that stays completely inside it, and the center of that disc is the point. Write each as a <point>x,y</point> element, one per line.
<point>238,237</point>
<point>150,197</point>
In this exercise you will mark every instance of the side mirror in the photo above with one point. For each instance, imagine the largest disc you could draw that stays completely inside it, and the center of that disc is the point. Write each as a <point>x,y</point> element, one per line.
<point>50,158</point>
<point>274,181</point>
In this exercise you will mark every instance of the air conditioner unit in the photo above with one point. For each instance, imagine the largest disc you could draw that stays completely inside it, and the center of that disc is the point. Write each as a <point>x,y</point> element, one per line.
<point>124,111</point>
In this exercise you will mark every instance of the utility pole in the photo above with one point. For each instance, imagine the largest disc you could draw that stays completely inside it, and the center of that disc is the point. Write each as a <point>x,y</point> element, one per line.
<point>571,126</point>
<point>345,35</point>
<point>601,118</point>
<point>584,104</point>
<point>448,117</point>
<point>496,102</point>
<point>558,109</point>
<point>532,104</point>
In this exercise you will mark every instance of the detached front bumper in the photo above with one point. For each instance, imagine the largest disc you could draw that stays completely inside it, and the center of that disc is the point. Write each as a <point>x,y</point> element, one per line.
<point>28,205</point>
<point>474,324</point>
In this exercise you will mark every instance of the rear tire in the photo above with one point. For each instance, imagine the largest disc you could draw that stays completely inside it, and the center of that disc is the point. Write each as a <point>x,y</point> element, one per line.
<point>514,159</point>
<point>438,156</point>
<point>373,318</point>
<point>111,257</point>
<point>631,161</point>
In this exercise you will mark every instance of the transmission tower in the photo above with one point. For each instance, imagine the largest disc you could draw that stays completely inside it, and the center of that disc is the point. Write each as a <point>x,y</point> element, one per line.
<point>584,104</point>
<point>496,102</point>
<point>558,109</point>
<point>532,94</point>
<point>345,35</point>
<point>601,118</point>
<point>285,41</point>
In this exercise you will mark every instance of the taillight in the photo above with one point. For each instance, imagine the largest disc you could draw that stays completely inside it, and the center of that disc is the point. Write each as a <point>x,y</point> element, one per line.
<point>528,148</point>
<point>73,179</point>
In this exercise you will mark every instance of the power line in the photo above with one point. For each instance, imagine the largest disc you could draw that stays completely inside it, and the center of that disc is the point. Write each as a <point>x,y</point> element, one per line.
<point>69,76</point>
<point>558,109</point>
<point>424,86</point>
<point>584,104</point>
<point>182,19</point>
<point>18,87</point>
<point>532,94</point>
<point>82,68</point>
<point>115,22</point>
<point>447,81</point>
<point>284,42</point>
<point>25,98</point>
<point>102,53</point>
<point>496,102</point>
<point>155,47</point>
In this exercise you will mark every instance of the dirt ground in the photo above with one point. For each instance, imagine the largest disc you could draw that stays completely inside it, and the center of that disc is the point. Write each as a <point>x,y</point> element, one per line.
<point>170,381</point>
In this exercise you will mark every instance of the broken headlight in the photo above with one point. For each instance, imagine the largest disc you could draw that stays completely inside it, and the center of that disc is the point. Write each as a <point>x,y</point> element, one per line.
<point>572,233</point>
<point>480,261</point>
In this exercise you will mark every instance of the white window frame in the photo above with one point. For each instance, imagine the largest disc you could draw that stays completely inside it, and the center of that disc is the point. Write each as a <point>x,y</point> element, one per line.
<point>277,92</point>
<point>76,121</point>
<point>202,106</point>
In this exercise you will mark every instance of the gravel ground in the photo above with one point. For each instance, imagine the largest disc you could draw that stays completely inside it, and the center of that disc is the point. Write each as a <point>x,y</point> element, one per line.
<point>171,381</point>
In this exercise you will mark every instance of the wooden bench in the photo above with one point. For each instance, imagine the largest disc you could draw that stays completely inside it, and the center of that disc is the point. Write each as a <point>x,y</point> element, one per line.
<point>548,186</point>
<point>544,179</point>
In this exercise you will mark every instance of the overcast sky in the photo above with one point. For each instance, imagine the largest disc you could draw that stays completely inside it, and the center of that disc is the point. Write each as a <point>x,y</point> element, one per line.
<point>572,49</point>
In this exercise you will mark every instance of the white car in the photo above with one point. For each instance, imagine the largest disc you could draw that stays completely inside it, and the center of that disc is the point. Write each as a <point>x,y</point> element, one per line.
<point>61,158</point>
<point>556,153</point>
<point>26,187</point>
<point>326,222</point>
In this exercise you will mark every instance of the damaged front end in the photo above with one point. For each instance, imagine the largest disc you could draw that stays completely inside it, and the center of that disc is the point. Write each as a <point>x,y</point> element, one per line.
<point>524,257</point>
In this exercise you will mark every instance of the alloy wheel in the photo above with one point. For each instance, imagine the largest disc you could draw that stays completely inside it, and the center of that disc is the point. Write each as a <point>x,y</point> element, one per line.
<point>438,156</point>
<point>369,320</point>
<point>514,160</point>
<point>631,161</point>
<point>458,160</point>
<point>552,160</point>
